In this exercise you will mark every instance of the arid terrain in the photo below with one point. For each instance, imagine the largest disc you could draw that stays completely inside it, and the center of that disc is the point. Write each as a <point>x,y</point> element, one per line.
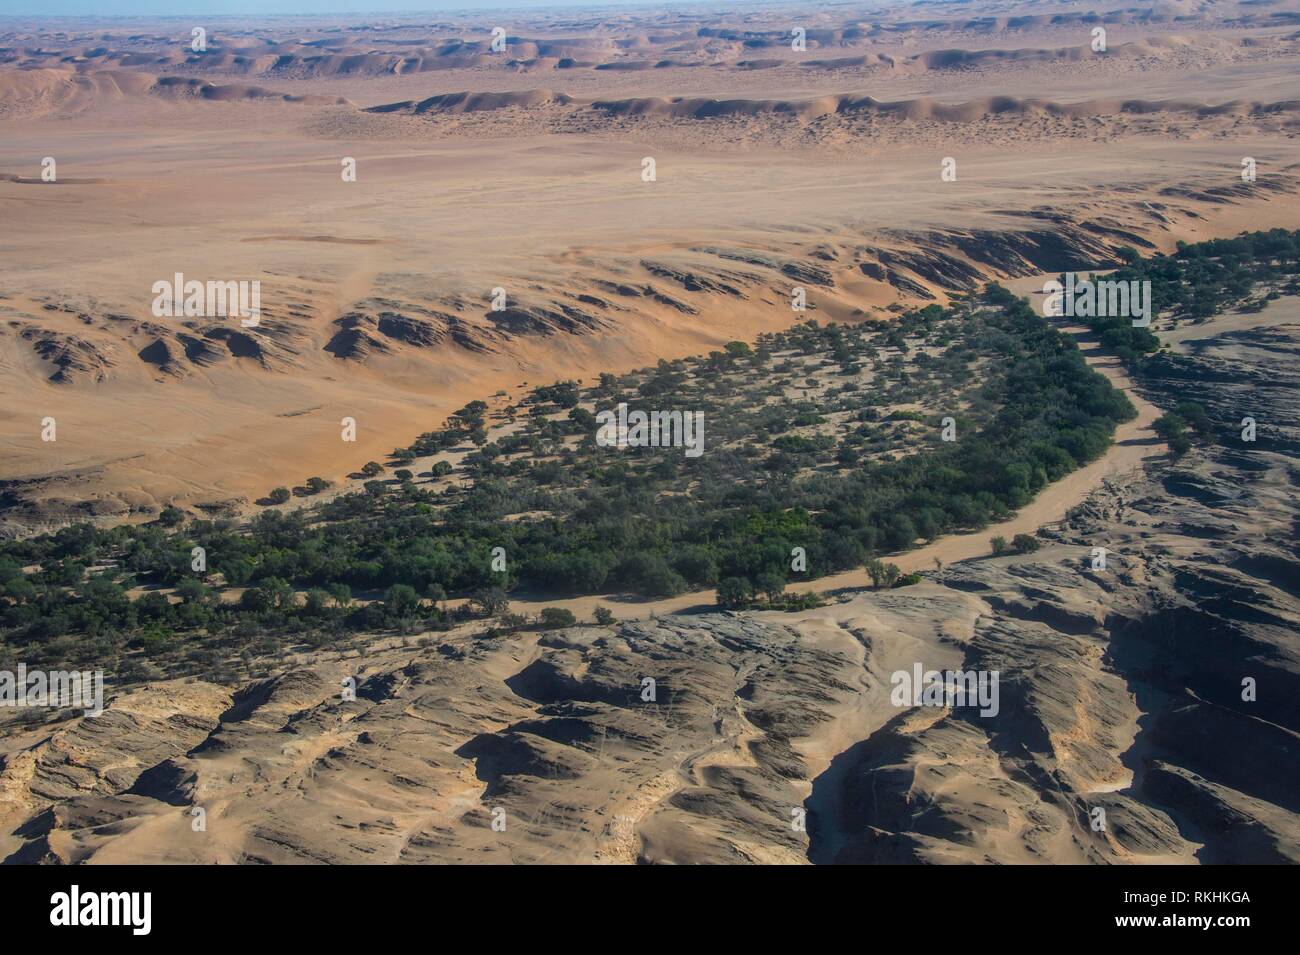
<point>523,171</point>
<point>640,186</point>
<point>1121,690</point>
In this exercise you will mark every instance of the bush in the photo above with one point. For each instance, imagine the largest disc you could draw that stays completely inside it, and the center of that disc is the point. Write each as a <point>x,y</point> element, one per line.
<point>603,616</point>
<point>279,495</point>
<point>1173,427</point>
<point>401,600</point>
<point>999,545</point>
<point>557,618</point>
<point>1024,543</point>
<point>882,574</point>
<point>491,601</point>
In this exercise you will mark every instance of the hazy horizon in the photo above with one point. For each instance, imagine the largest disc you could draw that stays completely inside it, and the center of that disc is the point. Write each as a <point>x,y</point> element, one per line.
<point>163,8</point>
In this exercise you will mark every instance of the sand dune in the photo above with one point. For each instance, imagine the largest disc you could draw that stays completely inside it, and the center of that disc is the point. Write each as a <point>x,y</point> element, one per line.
<point>845,105</point>
<point>34,93</point>
<point>921,109</point>
<point>29,94</point>
<point>465,102</point>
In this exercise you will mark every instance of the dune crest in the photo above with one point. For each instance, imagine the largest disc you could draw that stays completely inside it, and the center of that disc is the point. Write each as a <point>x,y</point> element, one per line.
<point>31,94</point>
<point>922,108</point>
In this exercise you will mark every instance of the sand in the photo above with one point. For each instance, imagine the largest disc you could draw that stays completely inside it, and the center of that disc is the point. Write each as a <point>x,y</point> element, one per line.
<point>526,175</point>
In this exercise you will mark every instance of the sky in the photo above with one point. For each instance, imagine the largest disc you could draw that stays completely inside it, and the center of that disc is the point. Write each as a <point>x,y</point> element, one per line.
<point>29,8</point>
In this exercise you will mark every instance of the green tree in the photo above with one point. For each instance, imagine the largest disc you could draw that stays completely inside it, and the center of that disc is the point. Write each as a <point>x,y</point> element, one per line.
<point>770,585</point>
<point>1197,418</point>
<point>191,590</point>
<point>735,593</point>
<point>1172,428</point>
<point>401,600</point>
<point>316,602</point>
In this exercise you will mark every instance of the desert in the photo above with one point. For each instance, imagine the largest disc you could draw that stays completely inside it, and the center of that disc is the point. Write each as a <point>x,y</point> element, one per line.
<point>323,339</point>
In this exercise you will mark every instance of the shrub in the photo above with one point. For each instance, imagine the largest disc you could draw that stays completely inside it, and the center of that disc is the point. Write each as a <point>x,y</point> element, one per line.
<point>557,618</point>
<point>491,601</point>
<point>401,600</point>
<point>881,574</point>
<point>1024,543</point>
